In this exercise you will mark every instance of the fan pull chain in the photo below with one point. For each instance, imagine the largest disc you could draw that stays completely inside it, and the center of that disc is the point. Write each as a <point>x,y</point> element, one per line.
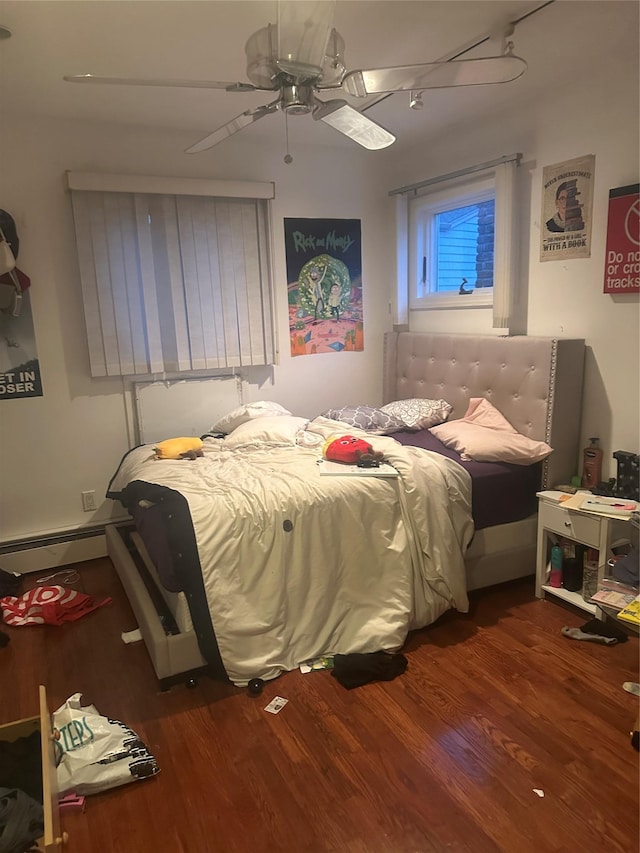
<point>287,157</point>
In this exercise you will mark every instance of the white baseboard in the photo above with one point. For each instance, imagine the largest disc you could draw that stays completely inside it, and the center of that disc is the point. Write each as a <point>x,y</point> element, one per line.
<point>36,559</point>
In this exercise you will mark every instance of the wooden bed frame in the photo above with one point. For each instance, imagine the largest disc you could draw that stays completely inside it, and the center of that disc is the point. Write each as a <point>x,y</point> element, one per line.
<point>535,382</point>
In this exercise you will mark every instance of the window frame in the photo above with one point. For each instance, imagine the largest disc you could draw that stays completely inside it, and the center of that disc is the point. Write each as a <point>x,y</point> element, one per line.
<point>423,208</point>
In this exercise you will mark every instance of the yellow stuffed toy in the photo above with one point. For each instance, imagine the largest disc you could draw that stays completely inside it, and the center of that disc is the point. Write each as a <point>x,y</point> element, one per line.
<point>179,448</point>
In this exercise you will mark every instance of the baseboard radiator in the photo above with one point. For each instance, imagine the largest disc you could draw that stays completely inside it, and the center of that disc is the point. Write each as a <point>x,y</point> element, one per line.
<point>52,550</point>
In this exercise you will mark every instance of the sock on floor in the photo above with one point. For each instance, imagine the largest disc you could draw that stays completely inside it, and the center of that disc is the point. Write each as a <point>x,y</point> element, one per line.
<point>577,634</point>
<point>604,629</point>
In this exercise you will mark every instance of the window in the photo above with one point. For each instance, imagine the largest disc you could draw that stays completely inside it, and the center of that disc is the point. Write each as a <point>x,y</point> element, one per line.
<point>452,246</point>
<point>173,281</point>
<point>455,243</point>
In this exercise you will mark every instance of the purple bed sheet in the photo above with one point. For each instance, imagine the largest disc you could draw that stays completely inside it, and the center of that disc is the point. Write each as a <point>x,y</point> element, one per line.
<point>500,491</point>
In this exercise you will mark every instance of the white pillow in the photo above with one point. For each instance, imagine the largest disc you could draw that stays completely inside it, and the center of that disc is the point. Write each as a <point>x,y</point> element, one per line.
<point>275,429</point>
<point>416,413</point>
<point>247,412</point>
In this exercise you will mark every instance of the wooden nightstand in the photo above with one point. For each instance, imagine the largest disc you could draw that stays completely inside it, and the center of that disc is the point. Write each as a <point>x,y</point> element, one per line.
<point>595,531</point>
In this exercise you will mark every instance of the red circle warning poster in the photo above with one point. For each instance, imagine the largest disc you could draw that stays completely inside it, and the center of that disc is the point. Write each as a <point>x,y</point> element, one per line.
<point>622,260</point>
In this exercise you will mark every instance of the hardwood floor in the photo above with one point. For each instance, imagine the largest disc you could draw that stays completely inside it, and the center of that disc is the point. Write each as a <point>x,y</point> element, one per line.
<point>446,757</point>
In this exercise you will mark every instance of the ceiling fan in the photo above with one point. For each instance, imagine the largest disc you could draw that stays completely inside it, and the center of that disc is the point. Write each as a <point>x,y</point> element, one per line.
<point>303,55</point>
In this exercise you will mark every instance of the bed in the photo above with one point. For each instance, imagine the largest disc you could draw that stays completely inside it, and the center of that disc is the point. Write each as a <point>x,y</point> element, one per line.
<point>344,592</point>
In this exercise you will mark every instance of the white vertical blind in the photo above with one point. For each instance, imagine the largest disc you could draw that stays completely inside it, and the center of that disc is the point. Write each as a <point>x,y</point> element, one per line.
<point>402,261</point>
<point>504,250</point>
<point>149,317</point>
<point>173,283</point>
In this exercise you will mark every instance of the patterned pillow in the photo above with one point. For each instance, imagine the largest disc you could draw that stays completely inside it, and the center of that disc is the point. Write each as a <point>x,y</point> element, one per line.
<point>415,413</point>
<point>366,418</point>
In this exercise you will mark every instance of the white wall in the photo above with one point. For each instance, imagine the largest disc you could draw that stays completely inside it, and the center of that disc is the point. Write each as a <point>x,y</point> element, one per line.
<point>71,439</point>
<point>597,114</point>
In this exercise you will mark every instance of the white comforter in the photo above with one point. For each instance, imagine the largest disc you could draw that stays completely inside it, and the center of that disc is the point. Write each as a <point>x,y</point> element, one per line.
<point>296,565</point>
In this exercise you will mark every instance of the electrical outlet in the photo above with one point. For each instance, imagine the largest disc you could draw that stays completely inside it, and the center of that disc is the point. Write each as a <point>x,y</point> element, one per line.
<point>89,501</point>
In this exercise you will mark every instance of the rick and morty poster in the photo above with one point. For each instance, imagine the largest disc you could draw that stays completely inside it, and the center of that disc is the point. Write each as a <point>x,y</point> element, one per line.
<point>324,275</point>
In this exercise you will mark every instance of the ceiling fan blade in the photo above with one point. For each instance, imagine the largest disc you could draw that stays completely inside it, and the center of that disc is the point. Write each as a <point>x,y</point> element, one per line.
<point>233,126</point>
<point>346,120</point>
<point>185,84</point>
<point>434,75</point>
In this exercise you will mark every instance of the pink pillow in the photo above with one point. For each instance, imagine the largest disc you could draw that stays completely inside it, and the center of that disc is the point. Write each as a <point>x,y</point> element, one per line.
<point>485,435</point>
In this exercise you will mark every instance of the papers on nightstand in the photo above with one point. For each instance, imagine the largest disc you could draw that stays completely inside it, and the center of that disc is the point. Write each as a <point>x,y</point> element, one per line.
<point>611,507</point>
<point>611,598</point>
<point>554,496</point>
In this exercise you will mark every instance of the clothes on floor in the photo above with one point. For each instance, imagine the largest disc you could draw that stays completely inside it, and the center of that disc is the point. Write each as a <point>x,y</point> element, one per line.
<point>21,821</point>
<point>596,631</point>
<point>51,605</point>
<point>354,670</point>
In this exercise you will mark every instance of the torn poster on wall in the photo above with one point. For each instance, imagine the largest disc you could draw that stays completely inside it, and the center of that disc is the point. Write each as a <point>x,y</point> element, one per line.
<point>324,275</point>
<point>567,200</point>
<point>19,365</point>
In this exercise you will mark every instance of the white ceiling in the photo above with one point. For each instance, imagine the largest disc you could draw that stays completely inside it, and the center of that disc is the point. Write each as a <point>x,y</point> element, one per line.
<point>205,39</point>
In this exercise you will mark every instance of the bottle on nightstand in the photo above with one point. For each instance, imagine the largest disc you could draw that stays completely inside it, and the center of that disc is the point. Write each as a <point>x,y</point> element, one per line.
<point>572,565</point>
<point>591,464</point>
<point>555,579</point>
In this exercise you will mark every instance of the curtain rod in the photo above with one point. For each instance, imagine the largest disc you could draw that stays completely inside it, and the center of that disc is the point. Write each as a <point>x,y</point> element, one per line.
<point>507,158</point>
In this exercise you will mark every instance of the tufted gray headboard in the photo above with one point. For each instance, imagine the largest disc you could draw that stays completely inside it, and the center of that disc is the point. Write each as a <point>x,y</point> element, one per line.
<point>535,382</point>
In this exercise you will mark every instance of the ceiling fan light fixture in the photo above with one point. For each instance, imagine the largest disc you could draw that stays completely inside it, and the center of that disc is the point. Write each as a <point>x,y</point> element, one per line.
<point>265,65</point>
<point>298,70</point>
<point>261,50</point>
<point>297,100</point>
<point>344,118</point>
<point>303,34</point>
<point>334,68</point>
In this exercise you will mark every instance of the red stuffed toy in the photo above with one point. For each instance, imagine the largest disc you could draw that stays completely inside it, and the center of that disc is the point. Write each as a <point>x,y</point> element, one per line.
<point>349,449</point>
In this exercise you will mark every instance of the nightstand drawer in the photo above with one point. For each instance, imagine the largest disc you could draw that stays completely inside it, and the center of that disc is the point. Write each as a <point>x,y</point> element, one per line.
<point>574,525</point>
